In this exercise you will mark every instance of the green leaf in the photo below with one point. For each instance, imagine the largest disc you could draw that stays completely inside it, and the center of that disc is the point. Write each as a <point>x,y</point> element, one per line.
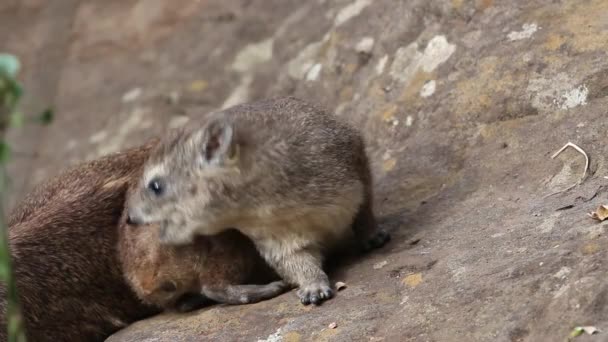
<point>576,332</point>
<point>17,90</point>
<point>9,64</point>
<point>17,119</point>
<point>46,117</point>
<point>14,88</point>
<point>5,152</point>
<point>4,272</point>
<point>10,92</point>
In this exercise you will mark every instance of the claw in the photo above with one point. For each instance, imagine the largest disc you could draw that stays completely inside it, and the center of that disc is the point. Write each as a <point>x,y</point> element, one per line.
<point>305,300</point>
<point>327,294</point>
<point>315,294</point>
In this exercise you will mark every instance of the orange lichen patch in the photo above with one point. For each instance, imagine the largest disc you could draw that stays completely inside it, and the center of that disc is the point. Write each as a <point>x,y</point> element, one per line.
<point>389,164</point>
<point>497,129</point>
<point>484,4</point>
<point>591,248</point>
<point>383,297</point>
<point>329,44</point>
<point>476,95</point>
<point>457,3</point>
<point>413,280</point>
<point>388,113</point>
<point>584,20</point>
<point>198,86</point>
<point>554,42</point>
<point>555,61</point>
<point>473,94</point>
<point>350,68</point>
<point>292,336</point>
<point>587,21</point>
<point>346,94</point>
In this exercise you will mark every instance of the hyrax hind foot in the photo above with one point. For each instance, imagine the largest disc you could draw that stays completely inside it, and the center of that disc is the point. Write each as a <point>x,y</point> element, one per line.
<point>366,229</point>
<point>376,240</point>
<point>315,293</point>
<point>191,302</point>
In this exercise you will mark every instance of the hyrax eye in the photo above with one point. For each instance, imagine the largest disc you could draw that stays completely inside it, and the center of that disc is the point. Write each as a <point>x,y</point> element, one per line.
<point>168,286</point>
<point>156,186</point>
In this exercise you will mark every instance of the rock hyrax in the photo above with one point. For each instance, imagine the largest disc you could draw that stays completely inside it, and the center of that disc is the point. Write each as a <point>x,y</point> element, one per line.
<point>292,177</point>
<point>73,283</point>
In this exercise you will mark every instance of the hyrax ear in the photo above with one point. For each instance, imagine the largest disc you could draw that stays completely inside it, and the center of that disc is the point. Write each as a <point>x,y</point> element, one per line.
<point>219,145</point>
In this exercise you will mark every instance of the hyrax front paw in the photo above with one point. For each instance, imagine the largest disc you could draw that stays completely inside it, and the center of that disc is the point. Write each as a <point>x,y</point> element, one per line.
<point>376,240</point>
<point>315,293</point>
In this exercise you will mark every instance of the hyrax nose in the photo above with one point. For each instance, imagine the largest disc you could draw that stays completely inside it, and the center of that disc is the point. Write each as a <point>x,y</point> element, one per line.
<point>134,220</point>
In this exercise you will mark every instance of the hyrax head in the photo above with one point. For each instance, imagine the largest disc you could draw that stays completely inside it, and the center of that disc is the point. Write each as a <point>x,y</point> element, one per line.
<point>186,182</point>
<point>160,288</point>
<point>160,275</point>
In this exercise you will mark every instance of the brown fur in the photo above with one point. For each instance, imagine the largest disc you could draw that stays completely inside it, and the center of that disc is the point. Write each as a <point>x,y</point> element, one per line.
<point>74,284</point>
<point>63,240</point>
<point>292,177</point>
<point>182,277</point>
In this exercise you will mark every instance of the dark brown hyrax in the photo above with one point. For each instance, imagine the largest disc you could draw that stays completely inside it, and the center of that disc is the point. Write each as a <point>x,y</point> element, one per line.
<point>292,177</point>
<point>64,239</point>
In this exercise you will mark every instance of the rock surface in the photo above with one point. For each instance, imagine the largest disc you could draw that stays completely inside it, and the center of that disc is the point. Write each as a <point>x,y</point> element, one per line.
<point>463,102</point>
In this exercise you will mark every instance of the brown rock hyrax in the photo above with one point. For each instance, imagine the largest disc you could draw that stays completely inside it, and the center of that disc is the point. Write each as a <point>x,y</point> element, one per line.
<point>72,277</point>
<point>185,277</point>
<point>292,177</point>
<point>63,240</point>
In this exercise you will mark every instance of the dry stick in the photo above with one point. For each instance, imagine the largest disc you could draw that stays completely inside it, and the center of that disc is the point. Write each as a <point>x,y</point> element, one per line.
<point>581,151</point>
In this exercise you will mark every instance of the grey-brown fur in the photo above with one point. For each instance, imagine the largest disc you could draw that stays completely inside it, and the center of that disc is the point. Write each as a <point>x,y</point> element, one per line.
<point>292,177</point>
<point>64,239</point>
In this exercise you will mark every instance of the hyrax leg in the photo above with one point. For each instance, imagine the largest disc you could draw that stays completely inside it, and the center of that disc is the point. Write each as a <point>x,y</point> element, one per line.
<point>244,294</point>
<point>304,269</point>
<point>231,294</point>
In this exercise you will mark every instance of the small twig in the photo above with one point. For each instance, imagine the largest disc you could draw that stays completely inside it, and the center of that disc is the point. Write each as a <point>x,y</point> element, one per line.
<point>581,151</point>
<point>566,207</point>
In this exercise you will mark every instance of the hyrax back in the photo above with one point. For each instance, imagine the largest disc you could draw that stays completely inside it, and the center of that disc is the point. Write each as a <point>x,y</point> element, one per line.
<point>290,176</point>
